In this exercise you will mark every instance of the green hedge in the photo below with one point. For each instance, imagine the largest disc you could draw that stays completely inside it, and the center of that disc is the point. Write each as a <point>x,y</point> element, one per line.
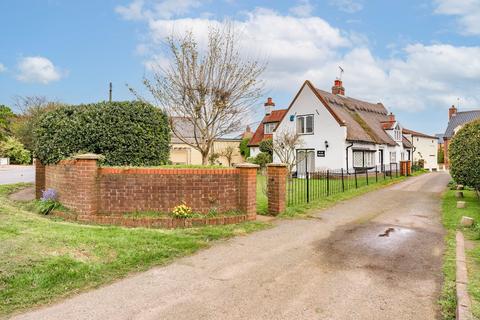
<point>464,155</point>
<point>126,133</point>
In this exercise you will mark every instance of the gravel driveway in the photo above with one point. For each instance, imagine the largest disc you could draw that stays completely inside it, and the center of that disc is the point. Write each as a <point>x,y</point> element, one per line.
<point>335,266</point>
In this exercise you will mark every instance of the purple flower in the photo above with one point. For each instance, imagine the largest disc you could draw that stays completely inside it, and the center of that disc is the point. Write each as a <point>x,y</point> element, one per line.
<point>49,194</point>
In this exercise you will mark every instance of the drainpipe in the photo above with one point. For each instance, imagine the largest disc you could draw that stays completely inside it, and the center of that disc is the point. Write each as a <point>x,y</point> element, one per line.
<point>346,154</point>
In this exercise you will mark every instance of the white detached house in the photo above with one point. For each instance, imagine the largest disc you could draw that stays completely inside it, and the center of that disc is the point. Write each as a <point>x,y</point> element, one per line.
<point>342,132</point>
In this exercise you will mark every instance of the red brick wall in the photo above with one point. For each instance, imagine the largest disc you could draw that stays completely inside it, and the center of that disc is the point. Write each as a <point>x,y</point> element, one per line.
<point>128,190</point>
<point>39,178</point>
<point>276,188</point>
<point>89,190</point>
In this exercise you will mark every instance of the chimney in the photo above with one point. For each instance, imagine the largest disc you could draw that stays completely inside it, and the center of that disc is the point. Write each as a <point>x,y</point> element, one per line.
<point>269,106</point>
<point>451,112</point>
<point>338,87</point>
<point>391,117</point>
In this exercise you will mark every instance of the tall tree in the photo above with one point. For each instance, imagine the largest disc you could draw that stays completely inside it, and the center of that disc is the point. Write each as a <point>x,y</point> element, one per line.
<point>6,116</point>
<point>211,90</point>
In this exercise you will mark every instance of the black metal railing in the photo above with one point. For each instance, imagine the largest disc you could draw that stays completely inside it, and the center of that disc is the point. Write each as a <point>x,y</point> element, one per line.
<point>303,187</point>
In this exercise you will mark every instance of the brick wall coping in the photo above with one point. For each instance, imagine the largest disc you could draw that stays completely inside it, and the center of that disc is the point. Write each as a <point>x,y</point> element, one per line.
<point>88,156</point>
<point>247,165</point>
<point>283,165</point>
<point>149,222</point>
<point>106,170</point>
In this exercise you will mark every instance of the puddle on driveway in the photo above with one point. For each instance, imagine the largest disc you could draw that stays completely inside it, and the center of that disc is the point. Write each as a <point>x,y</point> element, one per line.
<point>382,248</point>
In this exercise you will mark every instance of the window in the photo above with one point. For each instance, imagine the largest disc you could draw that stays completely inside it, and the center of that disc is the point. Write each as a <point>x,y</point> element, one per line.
<point>305,124</point>
<point>305,161</point>
<point>269,127</point>
<point>393,157</point>
<point>363,159</point>
<point>402,156</point>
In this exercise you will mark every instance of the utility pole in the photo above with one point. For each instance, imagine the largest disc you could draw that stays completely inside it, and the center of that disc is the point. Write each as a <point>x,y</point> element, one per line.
<point>110,93</point>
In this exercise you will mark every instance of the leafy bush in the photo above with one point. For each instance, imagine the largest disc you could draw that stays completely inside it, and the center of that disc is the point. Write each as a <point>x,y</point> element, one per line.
<point>262,159</point>
<point>13,149</point>
<point>126,133</point>
<point>464,155</point>
<point>244,149</point>
<point>266,146</point>
<point>6,116</point>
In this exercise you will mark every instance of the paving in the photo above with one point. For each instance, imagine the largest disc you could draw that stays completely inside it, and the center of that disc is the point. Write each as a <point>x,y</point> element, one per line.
<point>377,256</point>
<point>15,174</point>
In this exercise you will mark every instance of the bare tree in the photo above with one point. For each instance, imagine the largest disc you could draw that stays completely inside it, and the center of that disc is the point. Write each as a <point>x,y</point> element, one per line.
<point>284,146</point>
<point>211,90</point>
<point>227,153</point>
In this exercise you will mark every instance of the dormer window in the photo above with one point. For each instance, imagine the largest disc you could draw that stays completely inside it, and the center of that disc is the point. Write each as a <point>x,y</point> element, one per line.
<point>397,133</point>
<point>269,127</point>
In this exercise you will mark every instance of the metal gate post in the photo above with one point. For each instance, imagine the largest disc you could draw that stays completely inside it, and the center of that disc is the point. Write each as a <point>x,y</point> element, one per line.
<point>356,184</point>
<point>343,184</point>
<point>366,174</point>
<point>306,173</point>
<point>328,182</point>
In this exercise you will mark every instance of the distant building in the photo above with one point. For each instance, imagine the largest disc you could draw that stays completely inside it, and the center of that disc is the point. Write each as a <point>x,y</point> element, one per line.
<point>266,127</point>
<point>425,147</point>
<point>456,120</point>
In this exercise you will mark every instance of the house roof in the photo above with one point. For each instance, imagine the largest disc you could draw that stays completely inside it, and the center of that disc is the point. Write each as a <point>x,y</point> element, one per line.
<point>365,121</point>
<point>460,118</point>
<point>406,143</point>
<point>439,136</point>
<point>187,132</point>
<point>417,134</point>
<point>259,135</point>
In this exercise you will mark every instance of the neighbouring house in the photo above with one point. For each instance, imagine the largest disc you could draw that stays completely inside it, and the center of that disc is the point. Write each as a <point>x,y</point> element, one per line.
<point>342,132</point>
<point>266,127</point>
<point>183,153</point>
<point>456,120</point>
<point>247,134</point>
<point>425,147</point>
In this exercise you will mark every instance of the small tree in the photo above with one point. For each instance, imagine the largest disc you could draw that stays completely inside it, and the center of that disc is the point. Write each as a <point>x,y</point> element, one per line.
<point>228,153</point>
<point>285,145</point>
<point>441,156</point>
<point>212,90</point>
<point>464,155</point>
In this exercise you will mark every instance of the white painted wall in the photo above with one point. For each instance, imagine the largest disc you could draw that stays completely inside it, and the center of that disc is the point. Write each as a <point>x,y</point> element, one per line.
<point>254,151</point>
<point>325,128</point>
<point>426,149</point>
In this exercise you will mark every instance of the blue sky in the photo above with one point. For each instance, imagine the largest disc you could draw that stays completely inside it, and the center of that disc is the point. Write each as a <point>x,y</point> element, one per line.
<point>417,57</point>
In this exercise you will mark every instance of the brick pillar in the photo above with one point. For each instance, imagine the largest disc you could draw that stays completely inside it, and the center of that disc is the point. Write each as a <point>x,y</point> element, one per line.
<point>39,178</point>
<point>248,189</point>
<point>86,183</point>
<point>276,187</point>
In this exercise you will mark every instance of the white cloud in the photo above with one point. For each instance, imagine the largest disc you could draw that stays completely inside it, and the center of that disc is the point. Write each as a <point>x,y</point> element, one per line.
<point>155,9</point>
<point>349,6</point>
<point>303,9</point>
<point>37,70</point>
<point>467,11</point>
<point>2,68</point>
<point>299,48</point>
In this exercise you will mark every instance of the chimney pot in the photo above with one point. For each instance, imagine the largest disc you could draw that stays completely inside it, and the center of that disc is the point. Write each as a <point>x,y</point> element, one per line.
<point>391,117</point>
<point>338,87</point>
<point>451,112</point>
<point>269,106</point>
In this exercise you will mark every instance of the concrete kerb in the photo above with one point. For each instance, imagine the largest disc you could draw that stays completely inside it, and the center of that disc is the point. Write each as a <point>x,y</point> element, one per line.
<point>463,299</point>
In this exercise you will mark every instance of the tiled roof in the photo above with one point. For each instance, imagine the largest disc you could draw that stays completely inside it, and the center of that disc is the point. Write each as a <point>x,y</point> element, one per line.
<point>259,134</point>
<point>417,134</point>
<point>460,118</point>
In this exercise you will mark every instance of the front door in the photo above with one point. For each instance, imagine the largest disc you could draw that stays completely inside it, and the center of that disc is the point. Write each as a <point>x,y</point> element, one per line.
<point>305,161</point>
<point>380,152</point>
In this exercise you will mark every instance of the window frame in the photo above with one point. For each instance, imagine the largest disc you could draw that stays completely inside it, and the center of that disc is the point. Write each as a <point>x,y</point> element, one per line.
<point>367,156</point>
<point>304,117</point>
<point>269,125</point>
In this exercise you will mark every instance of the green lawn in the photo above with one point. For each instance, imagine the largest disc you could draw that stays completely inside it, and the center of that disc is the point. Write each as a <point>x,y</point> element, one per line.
<point>318,192</point>
<point>42,260</point>
<point>451,217</point>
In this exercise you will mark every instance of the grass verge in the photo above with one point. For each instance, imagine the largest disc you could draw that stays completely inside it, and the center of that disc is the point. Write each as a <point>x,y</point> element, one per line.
<point>451,217</point>
<point>303,210</point>
<point>42,259</point>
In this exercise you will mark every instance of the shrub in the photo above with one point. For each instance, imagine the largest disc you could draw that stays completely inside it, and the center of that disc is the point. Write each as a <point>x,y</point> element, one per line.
<point>126,133</point>
<point>14,149</point>
<point>6,116</point>
<point>244,149</point>
<point>464,155</point>
<point>441,156</point>
<point>182,211</point>
<point>266,146</point>
<point>262,159</point>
